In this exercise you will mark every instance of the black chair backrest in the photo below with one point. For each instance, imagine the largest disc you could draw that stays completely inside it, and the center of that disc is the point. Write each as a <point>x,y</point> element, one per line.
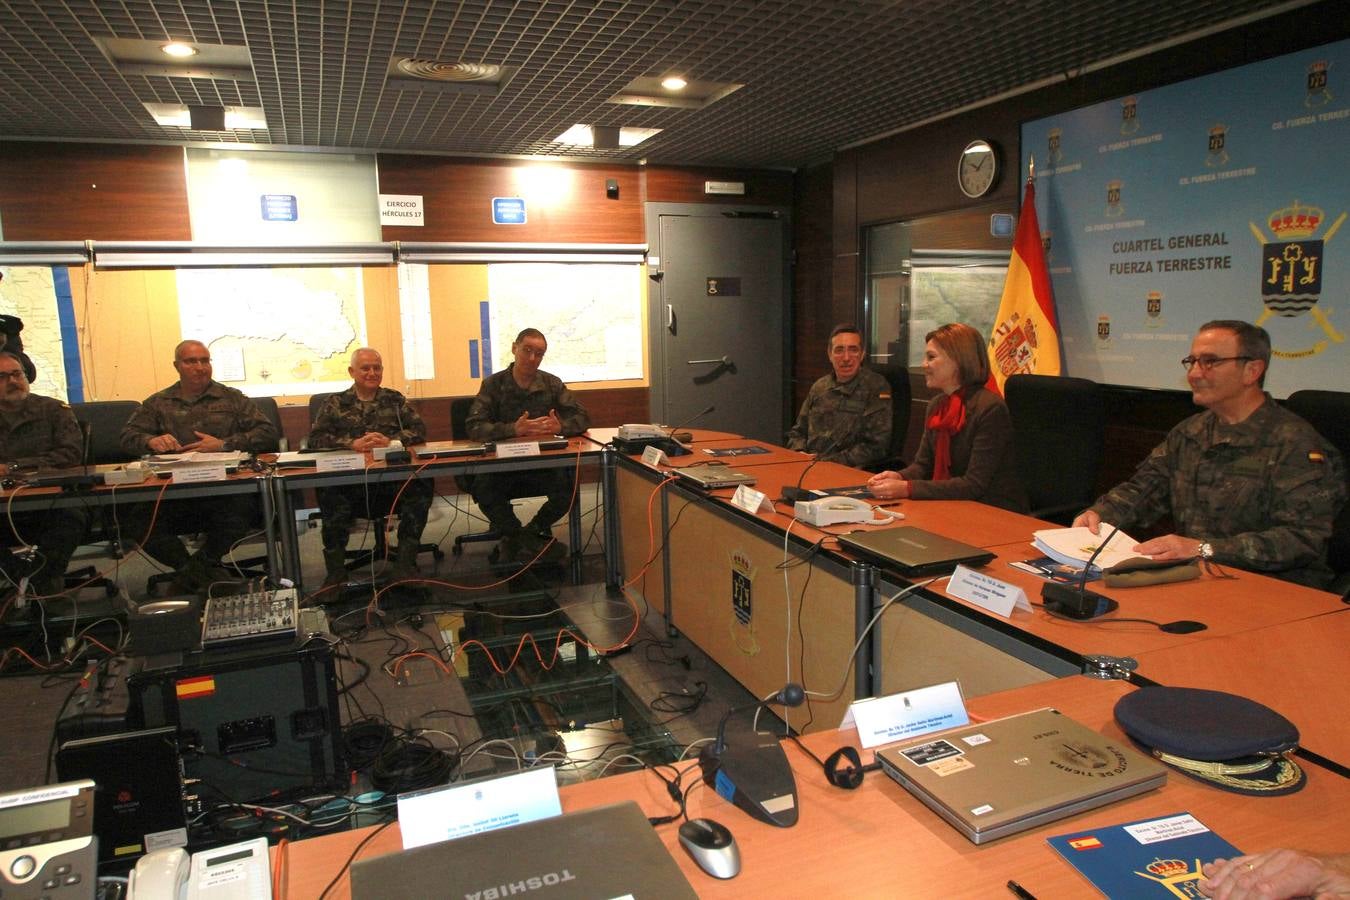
<point>105,420</point>
<point>901,405</point>
<point>459,416</point>
<point>1329,413</point>
<point>1060,428</point>
<point>315,402</point>
<point>268,406</point>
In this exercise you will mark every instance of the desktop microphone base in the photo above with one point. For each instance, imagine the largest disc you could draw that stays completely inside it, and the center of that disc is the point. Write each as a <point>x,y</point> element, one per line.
<point>1074,602</point>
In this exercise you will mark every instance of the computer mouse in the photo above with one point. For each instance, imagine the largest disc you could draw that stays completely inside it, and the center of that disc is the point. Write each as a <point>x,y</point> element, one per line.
<point>712,847</point>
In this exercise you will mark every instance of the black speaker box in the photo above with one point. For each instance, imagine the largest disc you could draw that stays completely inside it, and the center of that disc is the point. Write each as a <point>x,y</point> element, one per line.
<point>252,723</point>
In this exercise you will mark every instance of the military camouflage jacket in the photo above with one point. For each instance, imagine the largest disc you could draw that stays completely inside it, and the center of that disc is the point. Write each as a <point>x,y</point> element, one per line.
<point>219,411</point>
<point>500,402</point>
<point>1263,492</point>
<point>852,421</point>
<point>42,432</point>
<point>344,417</point>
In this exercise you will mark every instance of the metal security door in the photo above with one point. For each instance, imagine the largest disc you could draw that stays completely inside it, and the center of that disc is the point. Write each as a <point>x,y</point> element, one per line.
<point>718,316</point>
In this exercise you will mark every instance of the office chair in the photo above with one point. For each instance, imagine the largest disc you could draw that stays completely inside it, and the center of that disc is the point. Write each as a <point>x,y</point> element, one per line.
<point>357,559</point>
<point>1059,425</point>
<point>459,416</point>
<point>101,425</point>
<point>902,401</point>
<point>1329,413</point>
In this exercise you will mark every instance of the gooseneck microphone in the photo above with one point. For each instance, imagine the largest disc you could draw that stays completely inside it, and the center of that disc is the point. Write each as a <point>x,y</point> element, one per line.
<point>694,418</point>
<point>749,768</point>
<point>1076,601</point>
<point>793,494</point>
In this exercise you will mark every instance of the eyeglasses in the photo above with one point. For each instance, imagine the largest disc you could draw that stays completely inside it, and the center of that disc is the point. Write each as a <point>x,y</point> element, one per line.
<point>16,375</point>
<point>1208,362</point>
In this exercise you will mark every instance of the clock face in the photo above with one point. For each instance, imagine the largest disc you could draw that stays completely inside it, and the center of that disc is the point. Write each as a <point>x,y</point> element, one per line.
<point>977,169</point>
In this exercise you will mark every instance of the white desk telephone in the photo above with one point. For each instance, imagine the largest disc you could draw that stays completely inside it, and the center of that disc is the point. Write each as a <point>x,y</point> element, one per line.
<point>234,872</point>
<point>840,510</point>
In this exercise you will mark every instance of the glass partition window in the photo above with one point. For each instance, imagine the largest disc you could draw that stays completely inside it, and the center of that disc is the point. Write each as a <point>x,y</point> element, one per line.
<point>925,272</point>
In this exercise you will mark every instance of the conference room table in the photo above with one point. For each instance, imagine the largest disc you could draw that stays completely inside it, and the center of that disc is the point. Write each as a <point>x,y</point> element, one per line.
<point>879,841</point>
<point>809,600</point>
<point>287,483</point>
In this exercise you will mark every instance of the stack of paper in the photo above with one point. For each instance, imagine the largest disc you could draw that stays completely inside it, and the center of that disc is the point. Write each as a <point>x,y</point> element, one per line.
<point>1074,546</point>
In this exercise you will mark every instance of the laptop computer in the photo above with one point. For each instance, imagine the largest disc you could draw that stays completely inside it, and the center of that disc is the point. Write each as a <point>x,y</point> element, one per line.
<point>1001,777</point>
<point>913,551</point>
<point>710,477</point>
<point>608,851</point>
<point>449,449</point>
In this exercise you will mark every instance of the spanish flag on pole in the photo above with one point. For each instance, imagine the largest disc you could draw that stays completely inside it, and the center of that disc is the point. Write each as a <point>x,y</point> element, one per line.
<point>1025,338</point>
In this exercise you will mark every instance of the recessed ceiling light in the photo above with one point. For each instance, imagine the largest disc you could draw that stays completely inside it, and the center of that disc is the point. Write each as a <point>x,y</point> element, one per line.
<point>584,136</point>
<point>178,49</point>
<point>244,118</point>
<point>673,83</point>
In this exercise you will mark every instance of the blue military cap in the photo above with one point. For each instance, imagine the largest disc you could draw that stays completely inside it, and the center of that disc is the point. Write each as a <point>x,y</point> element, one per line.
<point>1229,741</point>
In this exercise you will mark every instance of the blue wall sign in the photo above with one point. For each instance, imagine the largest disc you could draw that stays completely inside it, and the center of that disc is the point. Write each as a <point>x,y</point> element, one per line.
<point>279,208</point>
<point>508,211</point>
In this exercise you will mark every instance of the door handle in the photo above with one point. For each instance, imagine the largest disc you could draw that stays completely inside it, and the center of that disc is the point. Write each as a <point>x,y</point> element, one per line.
<point>724,361</point>
<point>670,317</point>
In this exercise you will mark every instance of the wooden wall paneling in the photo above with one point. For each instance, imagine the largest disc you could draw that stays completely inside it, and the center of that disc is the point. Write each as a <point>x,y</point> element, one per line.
<point>684,184</point>
<point>102,192</point>
<point>564,203</point>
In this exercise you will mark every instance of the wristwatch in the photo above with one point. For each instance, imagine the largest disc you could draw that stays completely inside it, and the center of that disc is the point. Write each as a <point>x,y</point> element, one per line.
<point>1205,550</point>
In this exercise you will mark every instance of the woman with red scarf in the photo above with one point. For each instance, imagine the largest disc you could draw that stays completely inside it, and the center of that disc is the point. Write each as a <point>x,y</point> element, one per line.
<point>967,447</point>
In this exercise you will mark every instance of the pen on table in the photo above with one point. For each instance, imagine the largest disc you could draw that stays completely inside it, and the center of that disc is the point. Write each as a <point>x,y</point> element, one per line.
<point>1020,891</point>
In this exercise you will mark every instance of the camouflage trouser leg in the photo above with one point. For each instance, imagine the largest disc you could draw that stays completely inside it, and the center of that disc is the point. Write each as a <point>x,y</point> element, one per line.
<point>340,506</point>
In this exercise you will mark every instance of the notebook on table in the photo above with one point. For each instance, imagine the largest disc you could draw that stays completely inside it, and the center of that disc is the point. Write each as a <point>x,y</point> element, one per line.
<point>608,851</point>
<point>449,449</point>
<point>914,551</point>
<point>711,477</point>
<point>1001,777</point>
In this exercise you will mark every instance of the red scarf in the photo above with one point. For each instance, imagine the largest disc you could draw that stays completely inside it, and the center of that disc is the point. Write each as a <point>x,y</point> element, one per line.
<point>949,417</point>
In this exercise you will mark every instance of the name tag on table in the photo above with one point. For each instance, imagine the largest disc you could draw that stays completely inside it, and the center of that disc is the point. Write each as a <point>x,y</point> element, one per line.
<point>654,456</point>
<point>198,474</point>
<point>516,449</point>
<point>339,462</point>
<point>999,597</point>
<point>881,720</point>
<point>751,500</point>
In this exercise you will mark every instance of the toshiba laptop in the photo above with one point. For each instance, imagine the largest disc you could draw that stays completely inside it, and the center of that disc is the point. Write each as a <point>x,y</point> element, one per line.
<point>710,477</point>
<point>449,449</point>
<point>608,851</point>
<point>913,551</point>
<point>1008,775</point>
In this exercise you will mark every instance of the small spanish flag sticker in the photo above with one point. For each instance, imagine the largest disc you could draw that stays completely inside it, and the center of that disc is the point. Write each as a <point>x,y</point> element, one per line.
<point>202,686</point>
<point>1316,456</point>
<point>1085,843</point>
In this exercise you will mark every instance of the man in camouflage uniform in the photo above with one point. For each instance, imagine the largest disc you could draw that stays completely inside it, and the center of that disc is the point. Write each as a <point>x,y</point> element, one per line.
<point>1247,482</point>
<point>41,431</point>
<point>847,415</point>
<point>363,417</point>
<point>523,403</point>
<point>197,413</point>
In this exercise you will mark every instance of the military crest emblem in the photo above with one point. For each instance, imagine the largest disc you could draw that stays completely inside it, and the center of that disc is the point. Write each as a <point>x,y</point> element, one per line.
<point>1103,331</point>
<point>743,602</point>
<point>1056,151</point>
<point>1292,268</point>
<point>1153,304</point>
<point>1218,152</point>
<point>1115,205</point>
<point>1129,115</point>
<point>1319,87</point>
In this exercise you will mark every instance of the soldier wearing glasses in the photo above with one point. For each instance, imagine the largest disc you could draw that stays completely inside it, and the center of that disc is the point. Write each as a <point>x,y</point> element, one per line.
<point>1247,483</point>
<point>37,431</point>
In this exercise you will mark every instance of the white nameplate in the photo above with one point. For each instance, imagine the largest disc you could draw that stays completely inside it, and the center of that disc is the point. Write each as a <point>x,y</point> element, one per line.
<point>750,500</point>
<point>999,597</point>
<point>513,449</point>
<point>881,720</point>
<point>196,474</point>
<point>655,456</point>
<point>339,462</point>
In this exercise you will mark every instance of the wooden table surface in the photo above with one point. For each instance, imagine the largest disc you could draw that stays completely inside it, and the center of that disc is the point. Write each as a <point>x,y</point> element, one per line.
<point>878,841</point>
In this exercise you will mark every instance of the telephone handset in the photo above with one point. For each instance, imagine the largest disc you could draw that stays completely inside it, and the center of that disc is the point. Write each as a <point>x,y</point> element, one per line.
<point>839,510</point>
<point>160,875</point>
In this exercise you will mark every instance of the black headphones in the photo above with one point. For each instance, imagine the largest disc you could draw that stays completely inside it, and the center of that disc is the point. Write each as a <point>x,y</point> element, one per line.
<point>843,768</point>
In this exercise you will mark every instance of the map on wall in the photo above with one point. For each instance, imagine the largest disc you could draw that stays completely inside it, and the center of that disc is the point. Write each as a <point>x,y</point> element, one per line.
<point>29,292</point>
<point>1223,197</point>
<point>591,315</point>
<point>942,294</point>
<point>277,331</point>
